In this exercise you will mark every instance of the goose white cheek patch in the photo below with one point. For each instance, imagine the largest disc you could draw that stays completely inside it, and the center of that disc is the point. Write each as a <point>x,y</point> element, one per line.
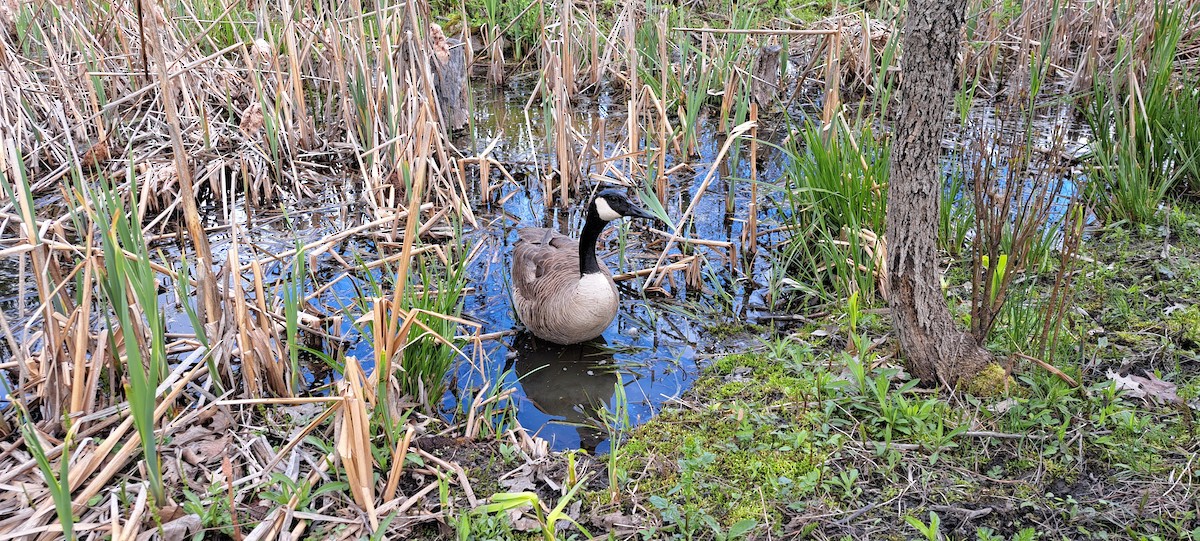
<point>606,212</point>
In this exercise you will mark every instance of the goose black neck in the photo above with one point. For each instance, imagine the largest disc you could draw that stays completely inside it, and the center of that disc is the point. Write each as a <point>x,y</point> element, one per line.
<point>587,244</point>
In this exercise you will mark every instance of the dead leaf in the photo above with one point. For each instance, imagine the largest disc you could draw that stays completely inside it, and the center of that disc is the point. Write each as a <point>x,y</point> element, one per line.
<point>176,530</point>
<point>1125,383</point>
<point>1163,391</point>
<point>303,413</point>
<point>740,374</point>
<point>573,512</point>
<point>9,9</point>
<point>616,521</point>
<point>262,51</point>
<point>438,44</point>
<point>252,120</point>
<point>95,155</point>
<point>521,479</point>
<point>1002,407</point>
<point>218,420</point>
<point>208,451</point>
<point>193,433</point>
<point>1142,387</point>
<point>526,524</point>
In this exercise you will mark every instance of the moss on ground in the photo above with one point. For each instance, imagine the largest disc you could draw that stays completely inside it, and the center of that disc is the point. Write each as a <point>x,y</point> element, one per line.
<point>990,382</point>
<point>801,439</point>
<point>734,457</point>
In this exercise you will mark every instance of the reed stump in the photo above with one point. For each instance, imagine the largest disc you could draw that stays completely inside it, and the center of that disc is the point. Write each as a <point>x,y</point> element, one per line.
<point>765,85</point>
<point>450,79</point>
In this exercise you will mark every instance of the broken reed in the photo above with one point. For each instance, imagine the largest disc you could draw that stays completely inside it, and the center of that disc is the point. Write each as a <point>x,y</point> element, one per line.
<point>219,88</point>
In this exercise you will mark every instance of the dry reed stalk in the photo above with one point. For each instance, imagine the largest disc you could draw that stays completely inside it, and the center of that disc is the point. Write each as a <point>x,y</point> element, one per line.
<point>606,59</point>
<point>247,350</point>
<point>463,481</point>
<point>749,239</point>
<point>683,264</point>
<point>594,42</point>
<point>564,148</point>
<point>299,114</point>
<point>260,297</point>
<point>632,61</point>
<point>204,261</point>
<point>727,98</point>
<point>132,526</point>
<point>737,131</point>
<point>875,247</point>
<point>833,83</point>
<point>387,341</point>
<point>354,440</point>
<point>566,58</point>
<point>474,425</point>
<point>660,185</point>
<point>259,346</point>
<point>1048,367</point>
<point>393,479</point>
<point>80,392</point>
<point>52,353</point>
<point>410,232</point>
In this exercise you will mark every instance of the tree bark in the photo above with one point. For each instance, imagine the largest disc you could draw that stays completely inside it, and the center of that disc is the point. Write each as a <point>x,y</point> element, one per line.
<point>935,350</point>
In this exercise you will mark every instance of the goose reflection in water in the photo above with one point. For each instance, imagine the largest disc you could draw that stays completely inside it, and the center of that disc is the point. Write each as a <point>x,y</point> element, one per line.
<point>571,382</point>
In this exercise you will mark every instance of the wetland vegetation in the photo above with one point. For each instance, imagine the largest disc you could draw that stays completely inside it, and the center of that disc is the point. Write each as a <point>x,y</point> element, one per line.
<point>253,271</point>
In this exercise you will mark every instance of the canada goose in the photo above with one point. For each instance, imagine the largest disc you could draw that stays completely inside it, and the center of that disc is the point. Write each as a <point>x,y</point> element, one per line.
<point>561,292</point>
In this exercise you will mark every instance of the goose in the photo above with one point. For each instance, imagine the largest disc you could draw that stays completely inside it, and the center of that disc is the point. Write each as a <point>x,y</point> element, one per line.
<point>561,292</point>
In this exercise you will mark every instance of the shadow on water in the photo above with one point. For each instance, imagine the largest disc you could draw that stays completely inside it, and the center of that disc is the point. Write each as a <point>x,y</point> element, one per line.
<point>571,383</point>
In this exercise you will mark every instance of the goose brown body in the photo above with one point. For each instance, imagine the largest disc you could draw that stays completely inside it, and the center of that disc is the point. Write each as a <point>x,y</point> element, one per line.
<point>552,298</point>
<point>561,291</point>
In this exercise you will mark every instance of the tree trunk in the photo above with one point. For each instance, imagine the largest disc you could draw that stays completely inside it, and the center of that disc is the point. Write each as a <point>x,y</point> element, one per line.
<point>935,350</point>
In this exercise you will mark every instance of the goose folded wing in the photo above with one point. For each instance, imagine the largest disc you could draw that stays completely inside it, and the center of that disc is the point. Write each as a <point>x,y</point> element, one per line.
<point>542,252</point>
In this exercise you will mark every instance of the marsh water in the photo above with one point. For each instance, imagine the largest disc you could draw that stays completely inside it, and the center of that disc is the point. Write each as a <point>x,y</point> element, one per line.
<point>661,337</point>
<point>659,341</point>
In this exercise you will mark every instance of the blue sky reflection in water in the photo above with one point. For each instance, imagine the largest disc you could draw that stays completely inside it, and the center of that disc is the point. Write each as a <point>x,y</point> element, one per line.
<point>655,346</point>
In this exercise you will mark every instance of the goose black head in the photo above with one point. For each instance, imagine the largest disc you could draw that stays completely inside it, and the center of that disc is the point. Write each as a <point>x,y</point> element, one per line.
<point>611,204</point>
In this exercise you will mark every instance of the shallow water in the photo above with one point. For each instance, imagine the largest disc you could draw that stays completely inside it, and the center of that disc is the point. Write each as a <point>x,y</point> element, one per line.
<point>653,350</point>
<point>656,345</point>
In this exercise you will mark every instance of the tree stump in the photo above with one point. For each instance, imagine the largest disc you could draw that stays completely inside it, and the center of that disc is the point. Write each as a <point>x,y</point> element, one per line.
<point>766,77</point>
<point>450,78</point>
